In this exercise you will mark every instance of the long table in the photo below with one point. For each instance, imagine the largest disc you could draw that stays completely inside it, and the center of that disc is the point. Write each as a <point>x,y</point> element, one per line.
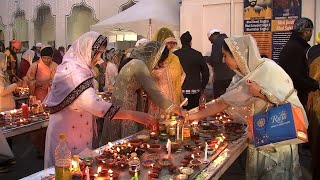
<point>25,128</point>
<point>214,170</point>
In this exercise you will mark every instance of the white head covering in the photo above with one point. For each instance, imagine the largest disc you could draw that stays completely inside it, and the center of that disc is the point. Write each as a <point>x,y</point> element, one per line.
<point>213,31</point>
<point>75,69</point>
<point>141,41</point>
<point>39,45</point>
<point>261,70</point>
<point>28,55</point>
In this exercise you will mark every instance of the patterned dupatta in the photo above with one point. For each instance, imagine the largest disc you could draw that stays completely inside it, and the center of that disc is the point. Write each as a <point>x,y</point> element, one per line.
<point>274,81</point>
<point>74,75</point>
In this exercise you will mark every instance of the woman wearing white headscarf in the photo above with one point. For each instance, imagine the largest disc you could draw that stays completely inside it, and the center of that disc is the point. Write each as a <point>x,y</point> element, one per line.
<point>72,101</point>
<point>6,88</point>
<point>258,84</point>
<point>26,62</point>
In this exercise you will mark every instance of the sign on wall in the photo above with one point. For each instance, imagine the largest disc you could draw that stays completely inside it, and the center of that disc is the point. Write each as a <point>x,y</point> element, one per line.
<point>270,22</point>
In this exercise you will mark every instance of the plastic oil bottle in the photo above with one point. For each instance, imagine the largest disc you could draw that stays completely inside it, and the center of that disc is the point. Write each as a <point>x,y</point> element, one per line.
<point>62,156</point>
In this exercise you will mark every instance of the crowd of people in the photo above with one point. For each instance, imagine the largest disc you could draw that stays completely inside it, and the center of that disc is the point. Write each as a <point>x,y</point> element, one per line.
<point>155,77</point>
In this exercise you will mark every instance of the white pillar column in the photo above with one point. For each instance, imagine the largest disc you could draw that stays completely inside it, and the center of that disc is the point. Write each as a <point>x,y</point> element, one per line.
<point>8,35</point>
<point>31,34</point>
<point>60,30</point>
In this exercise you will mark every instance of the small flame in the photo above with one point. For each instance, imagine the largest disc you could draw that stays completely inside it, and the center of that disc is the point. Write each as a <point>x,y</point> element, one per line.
<point>110,171</point>
<point>118,149</point>
<point>192,156</point>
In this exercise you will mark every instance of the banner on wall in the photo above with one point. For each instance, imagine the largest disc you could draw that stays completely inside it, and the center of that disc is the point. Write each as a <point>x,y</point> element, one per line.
<point>270,22</point>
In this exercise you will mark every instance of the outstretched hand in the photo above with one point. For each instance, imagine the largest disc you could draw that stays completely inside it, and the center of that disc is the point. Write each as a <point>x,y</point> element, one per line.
<point>143,118</point>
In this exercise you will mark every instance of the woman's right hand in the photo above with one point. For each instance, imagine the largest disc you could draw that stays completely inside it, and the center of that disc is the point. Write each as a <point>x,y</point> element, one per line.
<point>143,118</point>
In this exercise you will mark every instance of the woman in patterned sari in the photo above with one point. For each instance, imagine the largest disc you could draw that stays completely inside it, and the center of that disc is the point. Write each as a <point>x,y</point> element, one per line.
<point>252,91</point>
<point>132,80</point>
<point>73,102</point>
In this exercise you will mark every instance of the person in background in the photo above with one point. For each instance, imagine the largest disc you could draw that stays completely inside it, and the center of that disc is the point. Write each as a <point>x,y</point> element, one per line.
<point>209,87</point>
<point>62,50</point>
<point>111,72</point>
<point>12,63</point>
<point>223,75</point>
<point>37,52</point>
<point>251,92</point>
<point>39,78</point>
<point>293,58</point>
<point>40,74</point>
<point>57,57</point>
<point>68,48</point>
<point>2,47</point>
<point>73,102</point>
<point>313,108</point>
<point>6,103</point>
<point>6,87</point>
<point>196,69</point>
<point>26,62</point>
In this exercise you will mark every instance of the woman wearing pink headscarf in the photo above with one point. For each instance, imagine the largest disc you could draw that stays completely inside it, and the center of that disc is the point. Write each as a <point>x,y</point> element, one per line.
<point>73,102</point>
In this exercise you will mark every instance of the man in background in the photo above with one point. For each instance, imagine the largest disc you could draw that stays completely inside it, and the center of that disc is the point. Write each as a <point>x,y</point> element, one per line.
<point>196,69</point>
<point>222,74</point>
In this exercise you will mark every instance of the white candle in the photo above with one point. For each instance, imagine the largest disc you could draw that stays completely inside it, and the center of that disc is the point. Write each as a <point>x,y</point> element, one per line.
<point>87,173</point>
<point>178,131</point>
<point>206,153</point>
<point>169,147</point>
<point>182,133</point>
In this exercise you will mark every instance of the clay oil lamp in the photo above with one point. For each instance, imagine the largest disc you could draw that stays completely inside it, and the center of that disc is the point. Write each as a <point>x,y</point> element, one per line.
<point>101,158</point>
<point>135,143</point>
<point>109,162</point>
<point>156,168</point>
<point>172,169</point>
<point>153,175</point>
<point>143,137</point>
<point>175,146</point>
<point>154,147</point>
<point>186,170</point>
<point>187,147</point>
<point>139,151</point>
<point>153,135</point>
<point>188,157</point>
<point>103,171</point>
<point>181,177</point>
<point>113,174</point>
<point>195,162</point>
<point>163,137</point>
<point>197,154</point>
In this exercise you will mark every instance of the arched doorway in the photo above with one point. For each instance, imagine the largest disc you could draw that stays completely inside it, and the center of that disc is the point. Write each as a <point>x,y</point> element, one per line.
<point>79,22</point>
<point>44,26</point>
<point>20,29</point>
